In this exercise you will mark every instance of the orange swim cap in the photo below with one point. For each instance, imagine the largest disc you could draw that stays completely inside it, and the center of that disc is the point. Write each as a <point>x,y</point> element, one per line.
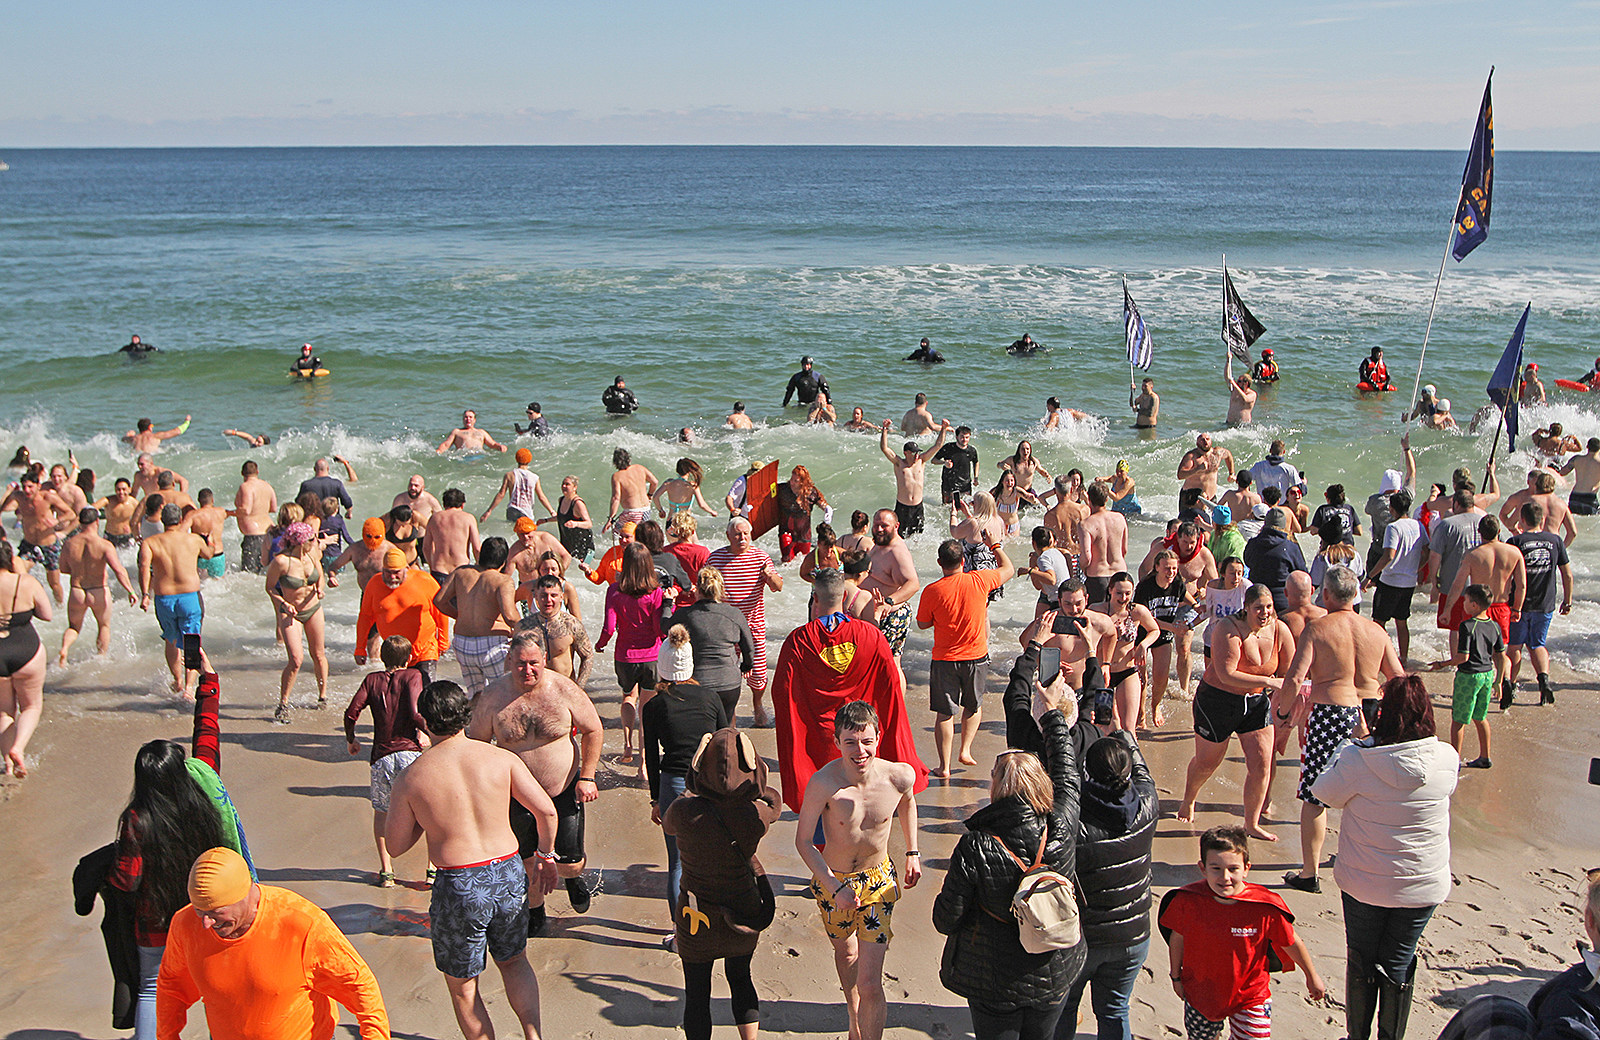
<point>218,878</point>
<point>394,560</point>
<point>524,525</point>
<point>524,456</point>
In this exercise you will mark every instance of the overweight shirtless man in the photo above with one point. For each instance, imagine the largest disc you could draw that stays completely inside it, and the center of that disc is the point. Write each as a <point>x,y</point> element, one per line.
<point>481,599</point>
<point>1584,499</point>
<point>62,485</point>
<point>919,420</point>
<point>451,536</point>
<point>1346,657</point>
<point>457,793</point>
<point>120,509</point>
<point>255,506</point>
<point>1147,406</point>
<point>855,799</point>
<point>366,556</point>
<point>146,476</point>
<point>910,475</point>
<point>206,521</point>
<point>468,437</point>
<point>892,582</point>
<point>420,499</point>
<point>632,487</point>
<point>44,515</point>
<point>1200,464</point>
<point>84,560</point>
<point>169,578</point>
<point>529,547</point>
<point>565,638</point>
<point>1065,517</point>
<point>1502,569</point>
<point>169,490</point>
<point>551,724</point>
<point>1103,542</point>
<point>1079,633</point>
<point>146,438</point>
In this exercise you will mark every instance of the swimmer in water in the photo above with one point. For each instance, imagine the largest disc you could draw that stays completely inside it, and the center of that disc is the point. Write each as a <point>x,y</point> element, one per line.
<point>1266,370</point>
<point>137,347</point>
<point>822,413</point>
<point>737,420</point>
<point>254,440</point>
<point>537,424</point>
<point>146,440</point>
<point>1147,406</point>
<point>469,437</point>
<point>1026,346</point>
<point>926,354</point>
<point>618,399</point>
<point>306,362</point>
<point>1053,414</point>
<point>1241,397</point>
<point>858,423</point>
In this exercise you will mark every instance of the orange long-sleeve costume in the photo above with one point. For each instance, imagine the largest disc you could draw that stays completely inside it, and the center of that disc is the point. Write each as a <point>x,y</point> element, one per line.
<point>277,981</point>
<point>407,611</point>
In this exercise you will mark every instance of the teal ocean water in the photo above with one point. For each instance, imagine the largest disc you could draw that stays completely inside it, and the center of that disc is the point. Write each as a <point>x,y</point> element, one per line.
<point>436,279</point>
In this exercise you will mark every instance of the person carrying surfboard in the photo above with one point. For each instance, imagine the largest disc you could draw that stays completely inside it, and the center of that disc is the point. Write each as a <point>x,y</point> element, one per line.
<point>305,364</point>
<point>1374,375</point>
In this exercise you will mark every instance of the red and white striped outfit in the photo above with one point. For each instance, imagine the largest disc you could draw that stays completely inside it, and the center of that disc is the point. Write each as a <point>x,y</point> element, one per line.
<point>741,577</point>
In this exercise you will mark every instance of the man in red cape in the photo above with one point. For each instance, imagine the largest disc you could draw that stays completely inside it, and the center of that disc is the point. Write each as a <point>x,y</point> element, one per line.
<point>823,664</point>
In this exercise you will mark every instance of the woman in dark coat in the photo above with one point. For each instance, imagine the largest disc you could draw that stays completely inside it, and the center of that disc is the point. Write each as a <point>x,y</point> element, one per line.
<point>1118,809</point>
<point>725,899</point>
<point>1013,993</point>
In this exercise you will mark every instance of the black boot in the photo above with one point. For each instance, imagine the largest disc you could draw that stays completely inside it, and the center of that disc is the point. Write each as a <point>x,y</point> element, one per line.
<point>1545,696</point>
<point>1360,996</point>
<point>1394,1003</point>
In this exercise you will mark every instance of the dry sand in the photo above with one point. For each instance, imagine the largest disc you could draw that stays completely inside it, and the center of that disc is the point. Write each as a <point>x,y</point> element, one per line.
<point>1523,833</point>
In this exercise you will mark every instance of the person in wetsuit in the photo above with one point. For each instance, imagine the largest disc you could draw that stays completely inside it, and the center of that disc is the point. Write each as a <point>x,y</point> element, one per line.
<point>537,424</point>
<point>137,347</point>
<point>1025,346</point>
<point>926,354</point>
<point>306,362</point>
<point>618,399</point>
<point>1266,370</point>
<point>1374,372</point>
<point>805,384</point>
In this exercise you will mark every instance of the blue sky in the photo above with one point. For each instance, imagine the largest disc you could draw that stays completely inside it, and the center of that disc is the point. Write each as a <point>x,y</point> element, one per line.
<point>1387,73</point>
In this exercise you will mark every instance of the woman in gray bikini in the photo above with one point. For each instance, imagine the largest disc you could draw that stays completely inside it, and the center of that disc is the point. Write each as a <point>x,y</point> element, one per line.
<point>295,584</point>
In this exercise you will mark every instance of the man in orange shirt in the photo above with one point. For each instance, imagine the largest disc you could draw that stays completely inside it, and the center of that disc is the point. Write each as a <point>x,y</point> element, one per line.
<point>267,963</point>
<point>956,607</point>
<point>398,601</point>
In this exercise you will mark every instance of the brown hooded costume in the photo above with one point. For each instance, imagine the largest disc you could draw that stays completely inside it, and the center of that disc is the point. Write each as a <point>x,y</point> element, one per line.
<point>726,899</point>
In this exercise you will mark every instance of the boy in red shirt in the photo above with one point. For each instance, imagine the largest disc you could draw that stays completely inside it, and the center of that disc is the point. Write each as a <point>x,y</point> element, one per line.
<point>1223,931</point>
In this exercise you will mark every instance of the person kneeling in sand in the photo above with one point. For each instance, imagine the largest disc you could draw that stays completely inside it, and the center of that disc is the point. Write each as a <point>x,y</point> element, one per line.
<point>457,794</point>
<point>853,801</point>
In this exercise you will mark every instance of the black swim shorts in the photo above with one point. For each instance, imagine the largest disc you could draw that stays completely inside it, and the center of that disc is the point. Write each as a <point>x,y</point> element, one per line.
<point>910,518</point>
<point>1219,714</point>
<point>569,827</point>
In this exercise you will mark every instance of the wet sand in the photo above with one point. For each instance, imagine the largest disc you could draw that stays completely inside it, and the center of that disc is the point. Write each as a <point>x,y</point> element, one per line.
<point>1523,833</point>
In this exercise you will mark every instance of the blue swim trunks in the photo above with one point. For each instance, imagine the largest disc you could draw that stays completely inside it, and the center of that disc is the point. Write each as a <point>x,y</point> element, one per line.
<point>179,616</point>
<point>478,907</point>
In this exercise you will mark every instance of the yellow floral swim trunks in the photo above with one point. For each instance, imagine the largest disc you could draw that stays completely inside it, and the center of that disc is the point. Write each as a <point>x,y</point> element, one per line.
<point>876,891</point>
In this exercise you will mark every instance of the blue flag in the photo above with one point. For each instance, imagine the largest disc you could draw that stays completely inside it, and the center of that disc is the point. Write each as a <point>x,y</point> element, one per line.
<point>1137,333</point>
<point>1503,384</point>
<point>1472,212</point>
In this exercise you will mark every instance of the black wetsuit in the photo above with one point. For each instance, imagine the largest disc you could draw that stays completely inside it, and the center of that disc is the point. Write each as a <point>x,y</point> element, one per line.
<point>619,400</point>
<point>926,355</point>
<point>307,364</point>
<point>137,349</point>
<point>1025,347</point>
<point>805,383</point>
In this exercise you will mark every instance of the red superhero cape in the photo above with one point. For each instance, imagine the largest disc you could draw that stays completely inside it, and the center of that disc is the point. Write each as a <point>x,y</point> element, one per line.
<point>1252,893</point>
<point>818,671</point>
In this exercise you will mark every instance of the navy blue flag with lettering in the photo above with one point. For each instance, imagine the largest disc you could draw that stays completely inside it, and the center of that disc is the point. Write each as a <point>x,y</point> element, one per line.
<point>1472,212</point>
<point>1503,384</point>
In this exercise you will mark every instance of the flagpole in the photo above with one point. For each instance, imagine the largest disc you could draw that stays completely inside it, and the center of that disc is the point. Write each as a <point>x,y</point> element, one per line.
<point>1417,385</point>
<point>1225,345</point>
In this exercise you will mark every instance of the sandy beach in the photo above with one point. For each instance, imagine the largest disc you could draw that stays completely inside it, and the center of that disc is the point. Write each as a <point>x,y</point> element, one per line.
<point>1523,833</point>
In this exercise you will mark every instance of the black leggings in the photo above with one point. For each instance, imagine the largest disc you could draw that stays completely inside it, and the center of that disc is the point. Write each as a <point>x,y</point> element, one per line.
<point>697,996</point>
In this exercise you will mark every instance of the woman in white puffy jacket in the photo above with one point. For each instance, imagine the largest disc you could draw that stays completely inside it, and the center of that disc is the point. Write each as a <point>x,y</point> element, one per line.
<point>1393,866</point>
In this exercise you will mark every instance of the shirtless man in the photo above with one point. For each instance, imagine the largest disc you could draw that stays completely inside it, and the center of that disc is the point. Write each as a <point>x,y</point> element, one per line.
<point>171,494</point>
<point>1541,491</point>
<point>458,793</point>
<point>1241,398</point>
<point>451,537</point>
<point>892,582</point>
<point>1240,499</point>
<point>1346,657</point>
<point>1250,651</point>
<point>146,439</point>
<point>1555,443</point>
<point>147,473</point>
<point>120,509</point>
<point>84,560</point>
<point>530,547</point>
<point>1585,469</point>
<point>910,475</point>
<point>919,420</point>
<point>420,499</point>
<point>1199,466</point>
<point>254,440</point>
<point>1500,568</point>
<point>366,556</point>
<point>565,638</point>
<point>551,724</point>
<point>468,437</point>
<point>169,578</point>
<point>62,485</point>
<point>1103,542</point>
<point>858,423</point>
<point>206,521</point>
<point>1303,608</point>
<point>737,420</point>
<point>632,487</point>
<point>856,799</point>
<point>44,515</point>
<point>255,505</point>
<point>1147,406</point>
<point>822,413</point>
<point>1065,518</point>
<point>481,599</point>
<point>550,566</point>
<point>1081,634</point>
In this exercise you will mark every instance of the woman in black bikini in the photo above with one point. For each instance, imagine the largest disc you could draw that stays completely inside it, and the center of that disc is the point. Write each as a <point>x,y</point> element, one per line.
<point>403,532</point>
<point>574,526</point>
<point>21,661</point>
<point>295,586</point>
<point>1137,631</point>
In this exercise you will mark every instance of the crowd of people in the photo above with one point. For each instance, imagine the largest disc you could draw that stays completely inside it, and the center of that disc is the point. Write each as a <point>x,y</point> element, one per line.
<point>497,771</point>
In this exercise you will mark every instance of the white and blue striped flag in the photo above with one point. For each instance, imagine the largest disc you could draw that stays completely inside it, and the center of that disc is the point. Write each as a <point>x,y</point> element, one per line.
<point>1140,349</point>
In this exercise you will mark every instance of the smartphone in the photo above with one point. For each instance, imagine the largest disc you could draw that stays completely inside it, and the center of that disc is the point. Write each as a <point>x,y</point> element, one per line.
<point>1066,623</point>
<point>1103,707</point>
<point>1594,770</point>
<point>1049,664</point>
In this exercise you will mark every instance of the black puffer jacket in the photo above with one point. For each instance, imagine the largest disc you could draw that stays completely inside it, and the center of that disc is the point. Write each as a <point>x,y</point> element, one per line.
<point>983,957</point>
<point>1116,831</point>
